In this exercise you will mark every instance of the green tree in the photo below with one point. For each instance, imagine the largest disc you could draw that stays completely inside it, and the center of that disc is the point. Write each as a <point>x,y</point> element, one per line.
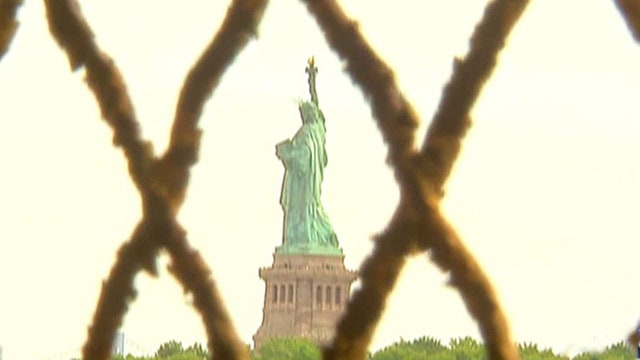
<point>618,351</point>
<point>169,348</point>
<point>530,351</point>
<point>467,348</point>
<point>173,350</point>
<point>287,349</point>
<point>198,350</point>
<point>130,357</point>
<point>422,348</point>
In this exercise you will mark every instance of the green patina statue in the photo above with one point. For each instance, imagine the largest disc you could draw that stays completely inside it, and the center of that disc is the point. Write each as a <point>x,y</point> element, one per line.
<point>306,229</point>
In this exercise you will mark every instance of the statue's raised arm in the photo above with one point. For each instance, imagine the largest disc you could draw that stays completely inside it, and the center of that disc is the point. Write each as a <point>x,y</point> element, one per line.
<point>312,70</point>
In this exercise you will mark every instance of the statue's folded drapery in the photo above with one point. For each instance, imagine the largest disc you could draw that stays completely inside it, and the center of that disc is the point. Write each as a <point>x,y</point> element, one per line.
<point>306,225</point>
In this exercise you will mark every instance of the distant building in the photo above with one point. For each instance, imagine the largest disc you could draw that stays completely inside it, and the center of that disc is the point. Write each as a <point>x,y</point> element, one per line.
<point>117,348</point>
<point>637,347</point>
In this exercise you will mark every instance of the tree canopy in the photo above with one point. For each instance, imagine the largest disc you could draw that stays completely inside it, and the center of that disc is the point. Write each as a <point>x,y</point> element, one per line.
<point>287,349</point>
<point>424,348</point>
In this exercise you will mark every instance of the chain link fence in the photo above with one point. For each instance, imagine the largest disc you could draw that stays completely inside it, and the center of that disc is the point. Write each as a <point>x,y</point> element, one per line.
<point>417,225</point>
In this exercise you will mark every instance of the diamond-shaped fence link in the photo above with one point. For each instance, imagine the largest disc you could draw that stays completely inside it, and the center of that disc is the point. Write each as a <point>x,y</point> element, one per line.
<point>417,225</point>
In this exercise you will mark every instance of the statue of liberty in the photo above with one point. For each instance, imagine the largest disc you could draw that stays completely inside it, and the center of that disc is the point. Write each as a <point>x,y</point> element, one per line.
<point>306,229</point>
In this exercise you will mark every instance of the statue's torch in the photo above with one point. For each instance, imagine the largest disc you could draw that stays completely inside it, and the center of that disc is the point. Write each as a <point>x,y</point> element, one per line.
<point>312,70</point>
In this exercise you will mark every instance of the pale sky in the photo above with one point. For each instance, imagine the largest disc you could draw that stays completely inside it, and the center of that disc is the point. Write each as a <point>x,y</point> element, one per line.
<point>546,191</point>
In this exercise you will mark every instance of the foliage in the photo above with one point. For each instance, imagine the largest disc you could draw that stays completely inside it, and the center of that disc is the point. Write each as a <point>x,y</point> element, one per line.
<point>198,350</point>
<point>467,348</point>
<point>424,348</point>
<point>172,350</point>
<point>530,351</point>
<point>287,349</point>
<point>618,351</point>
<point>169,349</point>
<point>429,348</point>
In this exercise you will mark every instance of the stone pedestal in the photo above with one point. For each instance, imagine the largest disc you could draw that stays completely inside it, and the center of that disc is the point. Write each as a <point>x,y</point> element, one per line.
<point>305,295</point>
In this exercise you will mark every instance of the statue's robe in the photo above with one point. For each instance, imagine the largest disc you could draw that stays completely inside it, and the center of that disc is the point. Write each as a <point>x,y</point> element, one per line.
<point>304,156</point>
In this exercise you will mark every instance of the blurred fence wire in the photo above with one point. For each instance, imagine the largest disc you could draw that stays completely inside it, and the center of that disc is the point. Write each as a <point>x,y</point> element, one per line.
<point>417,226</point>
